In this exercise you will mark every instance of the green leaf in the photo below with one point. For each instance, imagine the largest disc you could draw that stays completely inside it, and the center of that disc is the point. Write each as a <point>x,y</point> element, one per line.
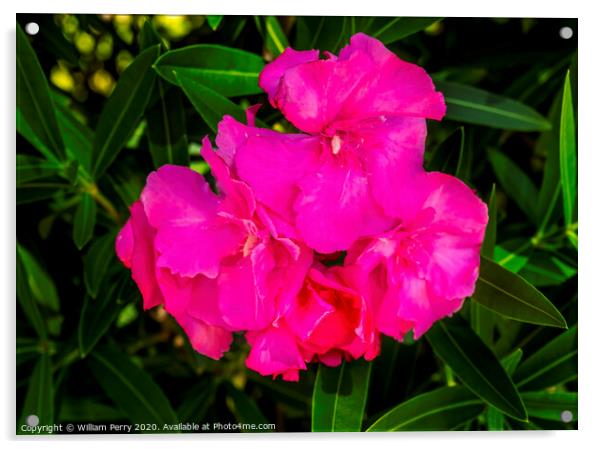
<point>339,397</point>
<point>40,283</point>
<point>491,230</point>
<point>27,300</point>
<point>495,418</point>
<point>123,109</point>
<point>511,296</point>
<point>442,409</point>
<point>87,410</point>
<point>275,39</point>
<point>198,400</point>
<point>78,137</point>
<point>214,21</point>
<point>545,269</point>
<point>33,99</point>
<point>98,314</point>
<point>549,192</point>
<point>446,157</point>
<point>33,168</point>
<point>554,363</point>
<point>515,183</point>
<point>324,33</point>
<point>568,153</point>
<point>389,30</point>
<point>227,71</point>
<point>39,400</point>
<point>97,260</point>
<point>482,320</point>
<point>209,104</point>
<point>166,128</point>
<point>84,221</point>
<point>245,408</point>
<point>148,36</point>
<point>479,107</point>
<point>476,365</point>
<point>544,405</point>
<point>131,388</point>
<point>513,254</point>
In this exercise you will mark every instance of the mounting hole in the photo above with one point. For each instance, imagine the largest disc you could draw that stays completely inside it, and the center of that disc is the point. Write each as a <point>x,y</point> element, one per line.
<point>566,416</point>
<point>566,32</point>
<point>32,28</point>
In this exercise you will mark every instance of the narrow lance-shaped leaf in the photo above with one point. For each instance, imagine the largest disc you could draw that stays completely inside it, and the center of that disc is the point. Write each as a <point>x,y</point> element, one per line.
<point>319,32</point>
<point>84,221</point>
<point>245,409</point>
<point>214,21</point>
<point>32,168</point>
<point>389,30</point>
<point>96,262</point>
<point>556,362</point>
<point>545,269</point>
<point>198,400</point>
<point>41,284</point>
<point>227,71</point>
<point>476,365</point>
<point>209,104</point>
<point>550,190</point>
<point>275,39</point>
<point>442,409</point>
<point>148,36</point>
<point>511,296</point>
<point>131,388</point>
<point>568,153</point>
<point>27,300</point>
<point>515,183</point>
<point>167,127</point>
<point>123,109</point>
<point>98,314</point>
<point>471,105</point>
<point>446,157</point>
<point>339,397</point>
<point>481,319</point>
<point>495,418</point>
<point>552,406</point>
<point>33,99</point>
<point>77,135</point>
<point>39,400</point>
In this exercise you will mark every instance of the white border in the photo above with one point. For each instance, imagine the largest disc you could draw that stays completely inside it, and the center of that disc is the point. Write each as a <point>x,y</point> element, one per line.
<point>590,163</point>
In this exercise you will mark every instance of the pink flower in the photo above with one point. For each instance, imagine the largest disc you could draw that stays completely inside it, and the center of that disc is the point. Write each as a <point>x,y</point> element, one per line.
<point>364,112</point>
<point>327,321</point>
<point>331,319</point>
<point>214,261</point>
<point>422,269</point>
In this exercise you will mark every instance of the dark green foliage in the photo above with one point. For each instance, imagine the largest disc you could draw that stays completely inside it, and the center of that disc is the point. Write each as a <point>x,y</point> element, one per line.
<point>87,352</point>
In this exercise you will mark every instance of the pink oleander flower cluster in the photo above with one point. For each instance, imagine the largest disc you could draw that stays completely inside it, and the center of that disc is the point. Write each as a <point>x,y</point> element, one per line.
<point>252,258</point>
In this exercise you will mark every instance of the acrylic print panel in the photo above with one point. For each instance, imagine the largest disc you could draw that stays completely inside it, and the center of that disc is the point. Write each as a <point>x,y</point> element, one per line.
<point>295,224</point>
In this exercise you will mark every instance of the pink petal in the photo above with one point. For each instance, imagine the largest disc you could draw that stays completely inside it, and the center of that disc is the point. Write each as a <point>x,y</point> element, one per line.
<point>392,151</point>
<point>311,95</point>
<point>143,257</point>
<point>124,244</point>
<point>190,237</point>
<point>457,231</point>
<point>238,197</point>
<point>211,341</point>
<point>270,76</point>
<point>336,206</point>
<point>410,304</point>
<point>244,296</point>
<point>268,161</point>
<point>392,87</point>
<point>274,352</point>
